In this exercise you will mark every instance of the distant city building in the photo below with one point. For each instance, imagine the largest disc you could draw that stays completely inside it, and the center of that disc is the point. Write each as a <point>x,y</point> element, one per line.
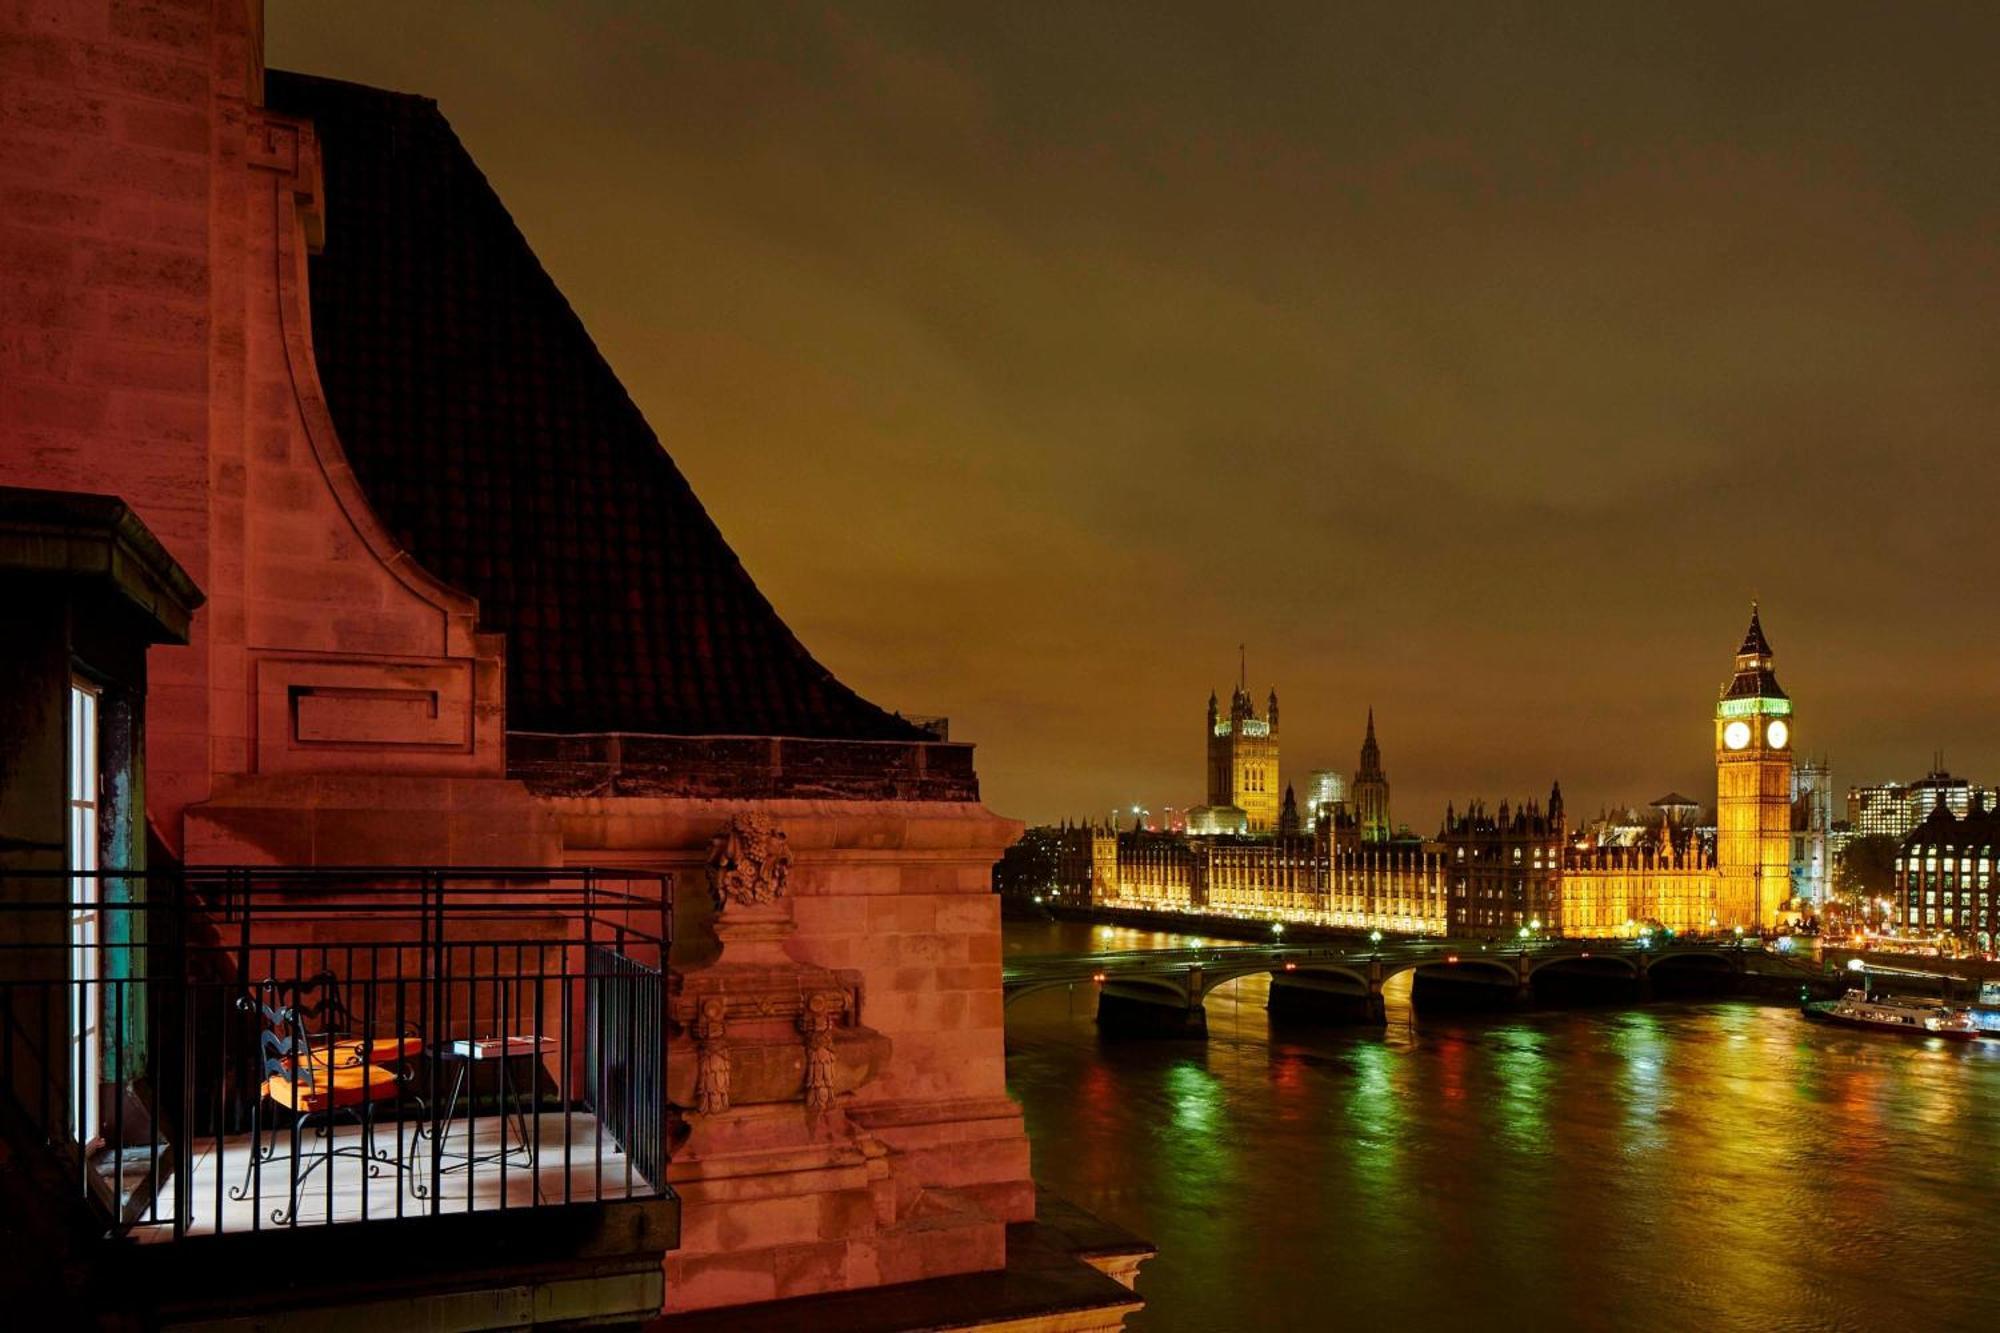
<point>1812,831</point>
<point>1504,870</point>
<point>1668,878</point>
<point>1243,762</point>
<point>1664,881</point>
<point>1319,868</point>
<point>1894,809</point>
<point>1325,789</point>
<point>1253,851</point>
<point>1945,884</point>
<point>1325,875</point>
<point>1032,868</point>
<point>1371,790</point>
<point>1210,821</point>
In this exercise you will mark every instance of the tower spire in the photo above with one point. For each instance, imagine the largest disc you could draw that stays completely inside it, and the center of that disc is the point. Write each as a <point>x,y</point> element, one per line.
<point>1754,642</point>
<point>1242,668</point>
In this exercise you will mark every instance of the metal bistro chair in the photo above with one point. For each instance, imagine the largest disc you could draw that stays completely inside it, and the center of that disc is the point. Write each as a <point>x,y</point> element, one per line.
<point>318,1076</point>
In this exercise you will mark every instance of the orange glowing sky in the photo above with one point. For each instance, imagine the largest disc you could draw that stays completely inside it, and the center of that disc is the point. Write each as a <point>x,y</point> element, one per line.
<point>1479,362</point>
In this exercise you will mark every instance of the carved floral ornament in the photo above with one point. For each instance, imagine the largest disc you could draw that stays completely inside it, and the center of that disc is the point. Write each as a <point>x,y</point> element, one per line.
<point>749,863</point>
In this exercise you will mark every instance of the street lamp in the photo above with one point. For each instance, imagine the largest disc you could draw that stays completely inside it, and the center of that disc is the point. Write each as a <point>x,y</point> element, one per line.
<point>1278,929</point>
<point>1375,938</point>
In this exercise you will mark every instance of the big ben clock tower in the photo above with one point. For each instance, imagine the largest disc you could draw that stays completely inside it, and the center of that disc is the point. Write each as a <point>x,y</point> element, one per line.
<point>1753,789</point>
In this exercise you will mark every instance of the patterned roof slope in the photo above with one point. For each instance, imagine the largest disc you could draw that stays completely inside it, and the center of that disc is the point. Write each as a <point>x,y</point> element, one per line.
<point>496,442</point>
<point>1754,642</point>
<point>1754,678</point>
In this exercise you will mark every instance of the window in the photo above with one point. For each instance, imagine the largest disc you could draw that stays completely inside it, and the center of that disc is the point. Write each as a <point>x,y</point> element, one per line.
<point>86,998</point>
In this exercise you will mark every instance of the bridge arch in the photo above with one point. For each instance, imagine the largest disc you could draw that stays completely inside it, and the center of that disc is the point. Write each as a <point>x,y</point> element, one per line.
<point>1151,989</point>
<point>1012,992</point>
<point>1584,964</point>
<point>1695,970</point>
<point>1497,968</point>
<point>1348,979</point>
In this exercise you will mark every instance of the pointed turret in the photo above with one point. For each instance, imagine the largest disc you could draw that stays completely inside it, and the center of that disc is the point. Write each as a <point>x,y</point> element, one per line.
<point>1754,678</point>
<point>1371,789</point>
<point>1288,817</point>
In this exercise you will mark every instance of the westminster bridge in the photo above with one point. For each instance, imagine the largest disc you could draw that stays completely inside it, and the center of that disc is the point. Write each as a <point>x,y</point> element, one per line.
<point>1164,989</point>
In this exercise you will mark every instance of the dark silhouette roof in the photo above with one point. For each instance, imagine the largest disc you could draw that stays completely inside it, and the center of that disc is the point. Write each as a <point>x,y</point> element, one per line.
<point>1754,643</point>
<point>1754,678</point>
<point>495,441</point>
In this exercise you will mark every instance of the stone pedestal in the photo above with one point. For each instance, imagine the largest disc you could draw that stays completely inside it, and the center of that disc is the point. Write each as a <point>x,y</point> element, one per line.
<point>836,1056</point>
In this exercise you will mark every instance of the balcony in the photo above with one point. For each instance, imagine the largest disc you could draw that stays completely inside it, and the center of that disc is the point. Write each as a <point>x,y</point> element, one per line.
<point>433,1081</point>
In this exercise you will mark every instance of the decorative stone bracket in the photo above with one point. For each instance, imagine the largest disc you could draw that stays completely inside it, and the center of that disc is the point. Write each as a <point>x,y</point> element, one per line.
<point>763,1026</point>
<point>759,1036</point>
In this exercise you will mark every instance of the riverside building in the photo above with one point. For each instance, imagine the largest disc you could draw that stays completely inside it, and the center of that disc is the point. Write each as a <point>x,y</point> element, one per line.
<point>1945,884</point>
<point>442,600</point>
<point>1517,867</point>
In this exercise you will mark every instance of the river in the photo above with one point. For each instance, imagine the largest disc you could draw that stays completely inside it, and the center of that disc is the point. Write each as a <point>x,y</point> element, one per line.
<point>1671,1166</point>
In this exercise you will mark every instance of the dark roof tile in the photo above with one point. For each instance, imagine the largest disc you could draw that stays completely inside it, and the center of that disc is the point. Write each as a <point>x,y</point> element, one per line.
<point>495,441</point>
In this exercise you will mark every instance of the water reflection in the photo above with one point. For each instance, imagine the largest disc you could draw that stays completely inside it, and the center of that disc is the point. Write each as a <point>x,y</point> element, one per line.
<point>1668,1167</point>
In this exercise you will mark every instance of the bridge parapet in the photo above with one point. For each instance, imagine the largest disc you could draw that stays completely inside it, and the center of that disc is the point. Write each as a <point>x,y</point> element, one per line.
<point>1305,975</point>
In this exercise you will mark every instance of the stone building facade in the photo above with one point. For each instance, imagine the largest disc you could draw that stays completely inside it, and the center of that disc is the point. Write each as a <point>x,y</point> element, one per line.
<point>463,608</point>
<point>1495,873</point>
<point>1370,791</point>
<point>1242,766</point>
<point>1669,880</point>
<point>1504,867</point>
<point>1327,876</point>
<point>1945,882</point>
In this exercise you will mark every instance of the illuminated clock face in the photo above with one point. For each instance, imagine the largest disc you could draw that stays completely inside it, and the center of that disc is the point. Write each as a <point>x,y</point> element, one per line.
<point>1777,734</point>
<point>1736,735</point>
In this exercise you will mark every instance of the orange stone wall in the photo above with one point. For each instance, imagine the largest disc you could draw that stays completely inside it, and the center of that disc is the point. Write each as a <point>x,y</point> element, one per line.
<point>901,892</point>
<point>336,704</point>
<point>154,344</point>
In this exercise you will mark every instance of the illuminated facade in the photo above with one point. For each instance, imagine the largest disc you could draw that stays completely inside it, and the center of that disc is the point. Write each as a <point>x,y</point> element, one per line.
<point>1670,880</point>
<point>1325,876</point>
<point>1944,876</point>
<point>1894,809</point>
<point>1504,869</point>
<point>1753,789</point>
<point>1242,764</point>
<point>1485,874</point>
<point>1326,790</point>
<point>1251,851</point>
<point>1813,840</point>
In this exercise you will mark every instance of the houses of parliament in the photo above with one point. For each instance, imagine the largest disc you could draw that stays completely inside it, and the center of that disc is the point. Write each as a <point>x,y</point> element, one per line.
<point>1248,851</point>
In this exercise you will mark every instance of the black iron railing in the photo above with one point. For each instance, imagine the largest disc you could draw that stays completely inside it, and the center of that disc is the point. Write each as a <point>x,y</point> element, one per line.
<point>242,1049</point>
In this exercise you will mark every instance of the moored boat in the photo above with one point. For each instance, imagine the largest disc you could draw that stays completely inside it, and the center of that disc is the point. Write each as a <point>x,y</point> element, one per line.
<point>1905,1016</point>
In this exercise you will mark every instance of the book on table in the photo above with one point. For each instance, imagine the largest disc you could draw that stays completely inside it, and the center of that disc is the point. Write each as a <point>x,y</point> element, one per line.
<point>494,1048</point>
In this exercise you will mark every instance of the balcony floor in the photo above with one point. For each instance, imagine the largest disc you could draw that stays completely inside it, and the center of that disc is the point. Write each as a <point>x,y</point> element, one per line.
<point>594,1170</point>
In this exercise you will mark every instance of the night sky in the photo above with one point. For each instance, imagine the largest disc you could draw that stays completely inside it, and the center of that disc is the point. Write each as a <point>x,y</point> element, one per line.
<point>1476,361</point>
